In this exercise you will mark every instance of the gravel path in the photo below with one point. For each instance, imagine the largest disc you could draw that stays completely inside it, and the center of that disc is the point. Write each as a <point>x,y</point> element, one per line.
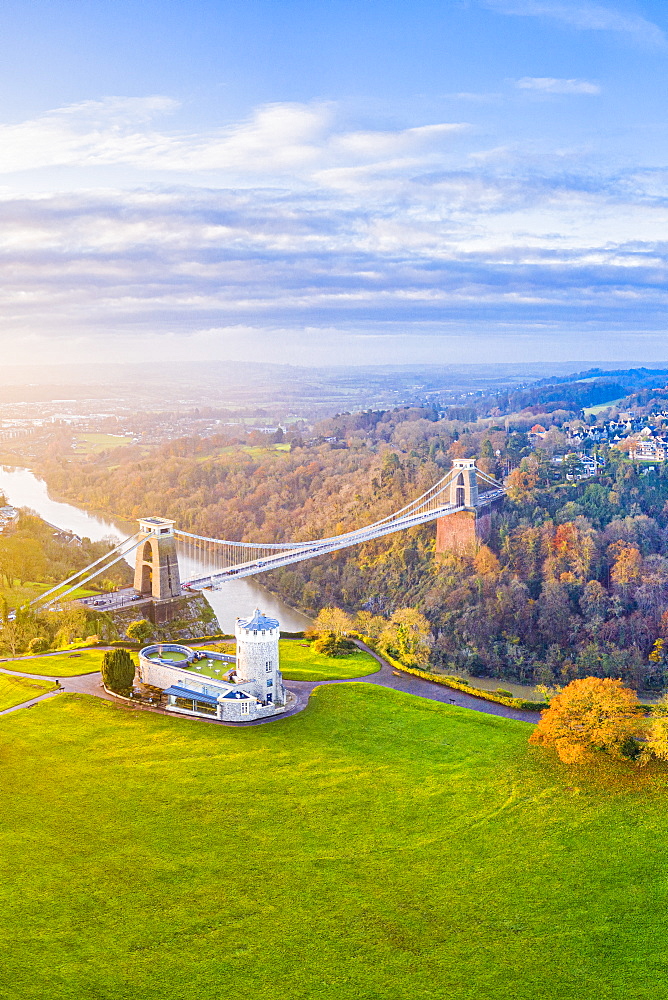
<point>301,690</point>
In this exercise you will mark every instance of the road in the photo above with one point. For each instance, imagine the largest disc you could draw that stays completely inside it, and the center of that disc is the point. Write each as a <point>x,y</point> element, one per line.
<point>114,600</point>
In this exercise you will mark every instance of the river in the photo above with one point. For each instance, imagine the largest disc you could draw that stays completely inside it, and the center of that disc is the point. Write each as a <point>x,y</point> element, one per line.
<point>236,598</point>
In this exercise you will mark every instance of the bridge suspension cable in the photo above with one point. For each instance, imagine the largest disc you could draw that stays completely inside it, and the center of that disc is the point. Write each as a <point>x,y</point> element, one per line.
<point>104,563</point>
<point>227,559</point>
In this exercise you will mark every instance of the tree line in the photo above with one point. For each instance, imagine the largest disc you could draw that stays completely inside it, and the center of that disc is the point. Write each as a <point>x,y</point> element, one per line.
<point>572,582</point>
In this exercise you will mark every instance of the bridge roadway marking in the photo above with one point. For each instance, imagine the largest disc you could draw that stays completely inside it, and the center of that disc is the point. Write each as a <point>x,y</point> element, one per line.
<point>385,677</point>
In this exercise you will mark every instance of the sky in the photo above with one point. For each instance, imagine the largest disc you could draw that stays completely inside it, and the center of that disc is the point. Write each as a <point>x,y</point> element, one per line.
<point>334,181</point>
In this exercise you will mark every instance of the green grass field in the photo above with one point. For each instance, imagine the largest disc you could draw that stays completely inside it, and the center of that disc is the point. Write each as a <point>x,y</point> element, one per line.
<point>595,410</point>
<point>67,664</point>
<point>375,846</point>
<point>14,690</point>
<point>93,444</point>
<point>300,662</point>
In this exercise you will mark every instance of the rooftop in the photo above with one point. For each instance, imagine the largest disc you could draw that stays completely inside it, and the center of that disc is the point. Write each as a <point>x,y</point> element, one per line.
<point>257,622</point>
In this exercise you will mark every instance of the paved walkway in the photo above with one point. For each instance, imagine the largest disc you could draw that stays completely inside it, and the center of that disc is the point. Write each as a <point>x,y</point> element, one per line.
<point>387,676</point>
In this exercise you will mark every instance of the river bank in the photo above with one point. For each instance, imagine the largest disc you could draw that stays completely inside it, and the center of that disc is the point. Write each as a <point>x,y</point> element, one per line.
<point>236,598</point>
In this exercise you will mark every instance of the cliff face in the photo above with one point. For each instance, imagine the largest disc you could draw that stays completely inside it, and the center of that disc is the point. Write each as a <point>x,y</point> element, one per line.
<point>195,619</point>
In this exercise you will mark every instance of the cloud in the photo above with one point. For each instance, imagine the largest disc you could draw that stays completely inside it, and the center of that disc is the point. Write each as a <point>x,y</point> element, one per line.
<point>295,219</point>
<point>276,140</point>
<point>587,17</point>
<point>552,85</point>
<point>91,133</point>
<point>379,145</point>
<point>473,247</point>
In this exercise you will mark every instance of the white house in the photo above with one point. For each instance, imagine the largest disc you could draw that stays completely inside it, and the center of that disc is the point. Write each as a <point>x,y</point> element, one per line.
<point>230,688</point>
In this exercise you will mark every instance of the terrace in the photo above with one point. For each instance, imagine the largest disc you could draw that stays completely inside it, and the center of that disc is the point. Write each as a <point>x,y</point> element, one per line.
<point>202,662</point>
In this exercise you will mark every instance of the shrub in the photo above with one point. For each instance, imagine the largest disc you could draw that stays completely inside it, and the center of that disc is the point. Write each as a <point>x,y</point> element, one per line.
<point>38,645</point>
<point>118,671</point>
<point>140,631</point>
<point>331,645</point>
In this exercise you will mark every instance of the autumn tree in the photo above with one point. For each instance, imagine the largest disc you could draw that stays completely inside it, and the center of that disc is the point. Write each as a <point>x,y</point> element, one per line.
<point>485,562</point>
<point>657,736</point>
<point>21,558</point>
<point>333,620</point>
<point>594,602</point>
<point>72,623</point>
<point>625,572</point>
<point>555,619</point>
<point>486,460</point>
<point>407,634</point>
<point>572,550</point>
<point>523,482</point>
<point>369,624</point>
<point>17,628</point>
<point>589,714</point>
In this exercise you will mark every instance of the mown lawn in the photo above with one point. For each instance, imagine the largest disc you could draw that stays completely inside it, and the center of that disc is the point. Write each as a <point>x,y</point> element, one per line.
<point>66,664</point>
<point>300,662</point>
<point>14,690</point>
<point>375,846</point>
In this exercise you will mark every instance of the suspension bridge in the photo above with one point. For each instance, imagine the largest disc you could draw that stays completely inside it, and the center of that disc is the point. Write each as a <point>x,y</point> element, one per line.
<point>164,555</point>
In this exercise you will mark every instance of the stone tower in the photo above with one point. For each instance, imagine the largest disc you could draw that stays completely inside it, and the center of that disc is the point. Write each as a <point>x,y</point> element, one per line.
<point>156,564</point>
<point>464,486</point>
<point>257,656</point>
<point>463,531</point>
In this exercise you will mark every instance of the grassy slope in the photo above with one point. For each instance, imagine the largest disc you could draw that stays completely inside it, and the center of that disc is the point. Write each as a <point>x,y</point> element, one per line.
<point>67,664</point>
<point>14,690</point>
<point>22,593</point>
<point>302,663</point>
<point>374,846</point>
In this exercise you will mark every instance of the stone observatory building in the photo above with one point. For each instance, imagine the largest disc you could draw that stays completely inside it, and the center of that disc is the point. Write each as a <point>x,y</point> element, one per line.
<point>257,655</point>
<point>230,688</point>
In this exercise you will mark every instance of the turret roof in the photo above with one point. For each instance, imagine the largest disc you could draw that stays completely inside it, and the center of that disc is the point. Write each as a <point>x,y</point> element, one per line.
<point>258,621</point>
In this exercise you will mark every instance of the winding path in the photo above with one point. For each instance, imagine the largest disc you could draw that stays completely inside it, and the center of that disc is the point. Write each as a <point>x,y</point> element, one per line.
<point>387,677</point>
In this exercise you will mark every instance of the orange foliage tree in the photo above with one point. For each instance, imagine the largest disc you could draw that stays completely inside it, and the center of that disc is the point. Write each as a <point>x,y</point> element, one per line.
<point>572,550</point>
<point>589,714</point>
<point>485,562</point>
<point>523,482</point>
<point>626,571</point>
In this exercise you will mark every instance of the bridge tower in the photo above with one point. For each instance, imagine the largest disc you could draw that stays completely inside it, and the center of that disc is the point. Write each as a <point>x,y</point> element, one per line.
<point>464,530</point>
<point>157,567</point>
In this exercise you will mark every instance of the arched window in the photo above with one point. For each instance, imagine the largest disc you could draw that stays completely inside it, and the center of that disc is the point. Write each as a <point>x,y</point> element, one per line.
<point>461,491</point>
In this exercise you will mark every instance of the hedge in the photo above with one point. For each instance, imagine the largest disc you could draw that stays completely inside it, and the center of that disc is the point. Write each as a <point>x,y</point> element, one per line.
<point>457,684</point>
